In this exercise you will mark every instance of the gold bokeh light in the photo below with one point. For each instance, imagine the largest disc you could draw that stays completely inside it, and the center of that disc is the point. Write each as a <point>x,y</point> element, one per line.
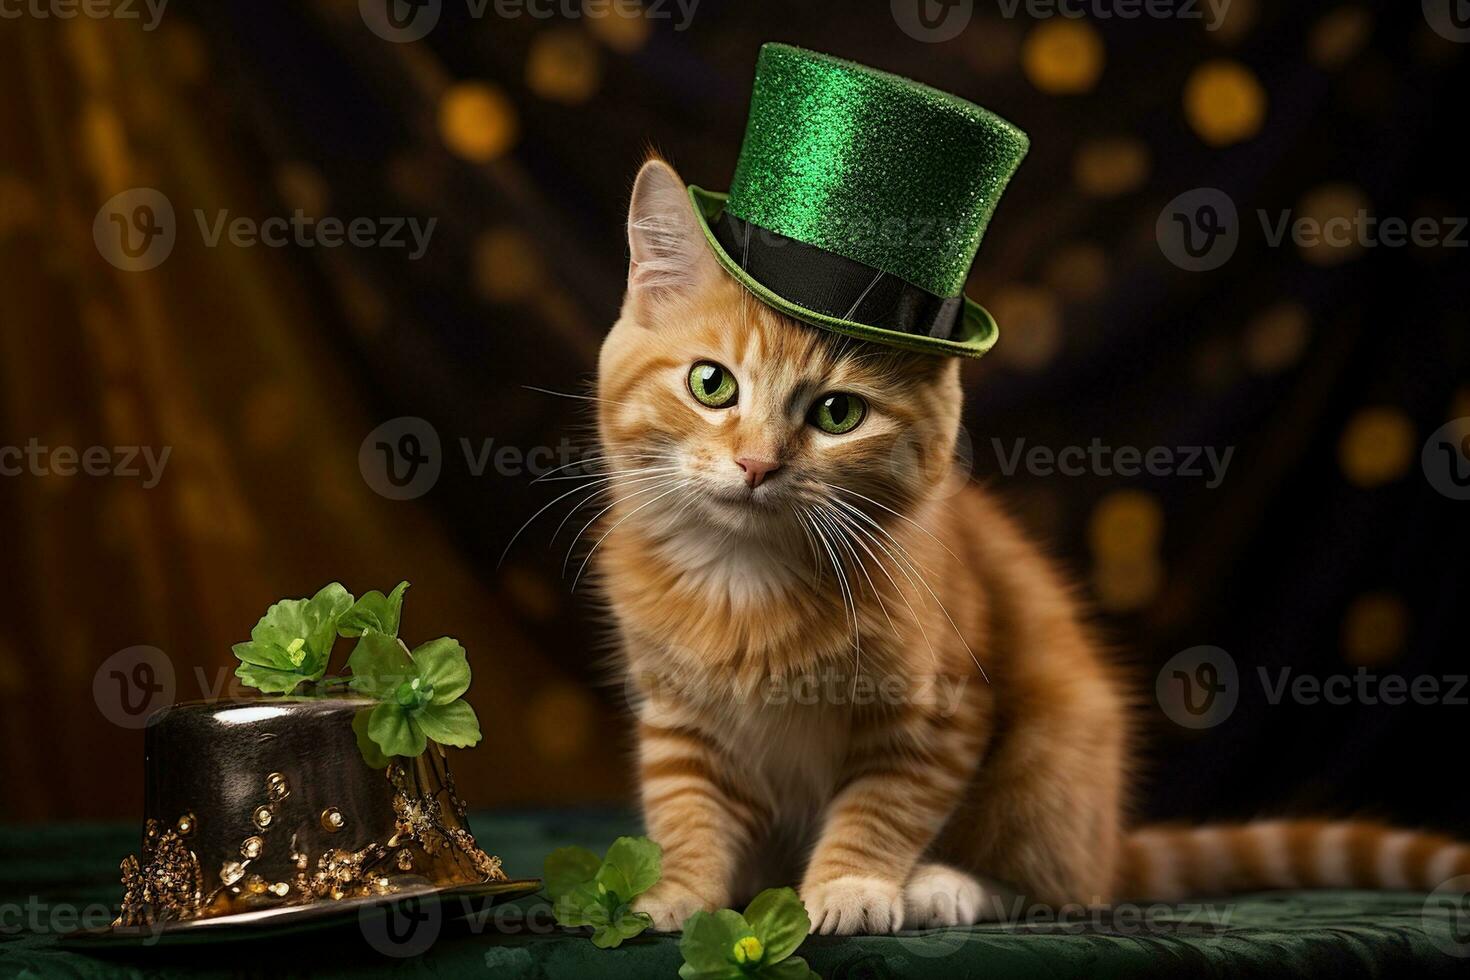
<point>477,121</point>
<point>1224,102</point>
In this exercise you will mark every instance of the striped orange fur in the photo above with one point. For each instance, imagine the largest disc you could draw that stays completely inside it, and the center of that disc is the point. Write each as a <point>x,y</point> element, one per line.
<point>859,675</point>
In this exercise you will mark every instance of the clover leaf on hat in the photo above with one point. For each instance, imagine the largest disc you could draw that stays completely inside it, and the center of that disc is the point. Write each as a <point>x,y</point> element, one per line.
<point>292,642</point>
<point>419,692</point>
<point>418,695</point>
<point>374,611</point>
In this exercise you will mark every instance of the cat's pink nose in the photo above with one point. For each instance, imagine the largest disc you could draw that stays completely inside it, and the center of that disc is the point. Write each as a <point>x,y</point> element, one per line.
<point>756,470</point>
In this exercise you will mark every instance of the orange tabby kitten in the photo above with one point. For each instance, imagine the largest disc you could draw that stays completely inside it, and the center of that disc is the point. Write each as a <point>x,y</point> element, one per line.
<point>806,603</point>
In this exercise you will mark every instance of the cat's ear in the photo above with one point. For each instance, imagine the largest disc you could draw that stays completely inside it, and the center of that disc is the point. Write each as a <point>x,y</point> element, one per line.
<point>669,254</point>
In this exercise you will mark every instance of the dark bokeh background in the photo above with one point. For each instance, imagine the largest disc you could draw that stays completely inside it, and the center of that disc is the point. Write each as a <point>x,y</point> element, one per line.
<point>1325,548</point>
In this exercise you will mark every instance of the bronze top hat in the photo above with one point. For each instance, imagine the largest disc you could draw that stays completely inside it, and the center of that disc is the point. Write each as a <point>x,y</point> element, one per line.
<point>334,796</point>
<point>263,810</point>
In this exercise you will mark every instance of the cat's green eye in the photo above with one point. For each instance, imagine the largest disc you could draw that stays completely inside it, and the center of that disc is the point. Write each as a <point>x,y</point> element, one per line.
<point>838,412</point>
<point>712,385</point>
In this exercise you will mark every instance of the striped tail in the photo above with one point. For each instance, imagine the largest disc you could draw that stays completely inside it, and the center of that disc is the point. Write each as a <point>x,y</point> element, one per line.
<point>1169,863</point>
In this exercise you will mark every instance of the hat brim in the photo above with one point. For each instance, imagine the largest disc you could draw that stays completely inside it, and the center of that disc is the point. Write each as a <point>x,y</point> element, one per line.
<point>284,920</point>
<point>977,331</point>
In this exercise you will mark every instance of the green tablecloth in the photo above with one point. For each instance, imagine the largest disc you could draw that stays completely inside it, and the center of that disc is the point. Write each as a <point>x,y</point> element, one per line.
<point>48,876</point>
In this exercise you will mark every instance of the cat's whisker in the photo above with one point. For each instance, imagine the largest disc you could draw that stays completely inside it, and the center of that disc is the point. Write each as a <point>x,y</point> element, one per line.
<point>574,397</point>
<point>848,604</point>
<point>688,501</point>
<point>846,537</point>
<point>832,557</point>
<point>811,543</point>
<point>833,535</point>
<point>531,520</point>
<point>634,477</point>
<point>902,517</point>
<point>595,517</point>
<point>867,518</point>
<point>923,581</point>
<point>589,460</point>
<point>583,476</point>
<point>562,394</point>
<point>918,620</point>
<point>678,486</point>
<point>837,535</point>
<point>836,517</point>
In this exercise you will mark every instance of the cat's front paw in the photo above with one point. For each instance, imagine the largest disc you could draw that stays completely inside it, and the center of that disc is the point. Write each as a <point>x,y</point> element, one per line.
<point>854,904</point>
<point>937,895</point>
<point>668,905</point>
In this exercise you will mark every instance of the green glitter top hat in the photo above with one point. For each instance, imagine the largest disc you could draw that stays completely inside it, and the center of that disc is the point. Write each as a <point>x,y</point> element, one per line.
<point>860,200</point>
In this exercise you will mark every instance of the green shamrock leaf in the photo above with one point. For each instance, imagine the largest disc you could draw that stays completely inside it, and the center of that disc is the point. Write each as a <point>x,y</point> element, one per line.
<point>588,891</point>
<point>709,943</point>
<point>779,921</point>
<point>639,862</point>
<point>418,693</point>
<point>379,664</point>
<point>627,926</point>
<point>569,867</point>
<point>293,641</point>
<point>374,611</point>
<point>443,666</point>
<point>371,753</point>
<point>726,945</point>
<point>582,905</point>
